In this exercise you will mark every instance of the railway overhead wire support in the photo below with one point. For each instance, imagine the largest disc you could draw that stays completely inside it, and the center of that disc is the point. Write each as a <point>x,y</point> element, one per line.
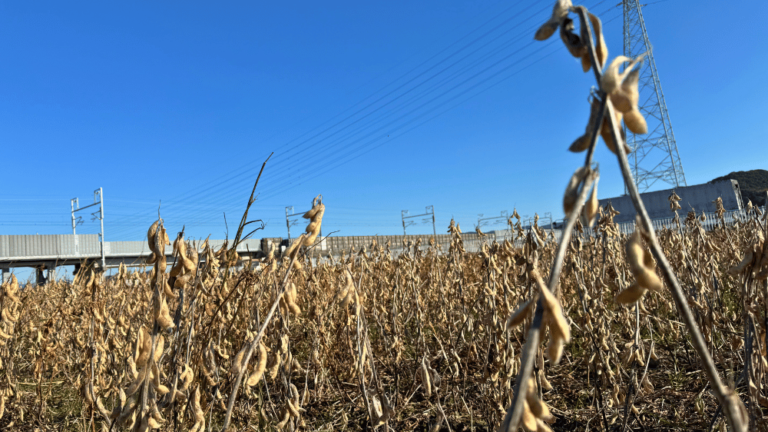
<point>548,216</point>
<point>98,200</point>
<point>291,219</point>
<point>493,220</point>
<point>527,221</point>
<point>289,222</point>
<point>654,155</point>
<point>430,211</point>
<point>75,202</point>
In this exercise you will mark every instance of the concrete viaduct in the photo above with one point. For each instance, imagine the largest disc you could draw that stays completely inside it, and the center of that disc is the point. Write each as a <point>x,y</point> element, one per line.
<point>46,252</point>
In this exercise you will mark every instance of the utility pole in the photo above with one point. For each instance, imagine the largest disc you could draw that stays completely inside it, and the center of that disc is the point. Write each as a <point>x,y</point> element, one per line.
<point>430,211</point>
<point>98,200</point>
<point>101,219</point>
<point>288,222</point>
<point>434,227</point>
<point>74,202</point>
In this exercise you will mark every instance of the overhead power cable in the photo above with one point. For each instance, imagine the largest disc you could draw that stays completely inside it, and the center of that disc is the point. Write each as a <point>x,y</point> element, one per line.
<point>383,131</point>
<point>466,46</point>
<point>251,168</point>
<point>275,188</point>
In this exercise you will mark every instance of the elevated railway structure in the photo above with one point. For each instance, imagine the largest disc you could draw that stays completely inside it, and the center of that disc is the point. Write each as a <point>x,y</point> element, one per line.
<point>45,253</point>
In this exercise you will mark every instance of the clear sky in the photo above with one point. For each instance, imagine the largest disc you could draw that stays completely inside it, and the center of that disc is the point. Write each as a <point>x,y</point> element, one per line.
<point>379,106</point>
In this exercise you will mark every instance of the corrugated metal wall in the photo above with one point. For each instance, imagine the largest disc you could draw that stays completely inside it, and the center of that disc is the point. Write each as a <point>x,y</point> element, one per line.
<point>118,248</point>
<point>698,197</point>
<point>253,245</point>
<point>85,246</point>
<point>44,246</point>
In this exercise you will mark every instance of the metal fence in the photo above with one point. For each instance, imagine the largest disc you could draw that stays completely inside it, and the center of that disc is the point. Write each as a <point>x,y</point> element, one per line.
<point>710,222</point>
<point>473,243</point>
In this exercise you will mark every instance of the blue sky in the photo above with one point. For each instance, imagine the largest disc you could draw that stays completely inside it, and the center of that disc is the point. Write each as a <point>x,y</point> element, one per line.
<point>379,106</point>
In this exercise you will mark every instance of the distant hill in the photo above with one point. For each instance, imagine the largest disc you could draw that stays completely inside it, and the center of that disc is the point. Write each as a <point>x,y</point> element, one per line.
<point>753,184</point>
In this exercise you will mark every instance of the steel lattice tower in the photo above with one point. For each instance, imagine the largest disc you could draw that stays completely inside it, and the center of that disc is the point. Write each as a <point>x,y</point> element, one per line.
<point>654,155</point>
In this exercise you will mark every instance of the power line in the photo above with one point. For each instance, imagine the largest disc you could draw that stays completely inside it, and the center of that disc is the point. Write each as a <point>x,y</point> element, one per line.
<point>413,119</point>
<point>389,93</point>
<point>440,113</point>
<point>314,162</point>
<point>250,167</point>
<point>376,139</point>
<point>224,198</point>
<point>341,141</point>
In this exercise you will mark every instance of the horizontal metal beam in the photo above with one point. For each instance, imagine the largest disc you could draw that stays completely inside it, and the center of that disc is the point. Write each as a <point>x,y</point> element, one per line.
<point>415,216</point>
<point>89,205</point>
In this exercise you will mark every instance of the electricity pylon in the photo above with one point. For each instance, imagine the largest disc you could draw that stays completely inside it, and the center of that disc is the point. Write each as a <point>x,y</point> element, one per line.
<point>654,155</point>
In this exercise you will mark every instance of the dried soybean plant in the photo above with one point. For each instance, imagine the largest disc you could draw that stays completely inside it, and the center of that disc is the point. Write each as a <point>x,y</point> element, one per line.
<point>286,296</point>
<point>618,95</point>
<point>427,339</point>
<point>9,315</point>
<point>601,330</point>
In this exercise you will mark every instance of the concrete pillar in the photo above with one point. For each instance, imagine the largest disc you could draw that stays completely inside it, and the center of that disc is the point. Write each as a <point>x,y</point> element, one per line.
<point>39,276</point>
<point>3,277</point>
<point>51,267</point>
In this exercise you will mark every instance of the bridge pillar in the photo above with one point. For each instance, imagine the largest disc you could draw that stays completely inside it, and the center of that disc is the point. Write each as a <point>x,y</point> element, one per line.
<point>51,276</point>
<point>3,271</point>
<point>39,275</point>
